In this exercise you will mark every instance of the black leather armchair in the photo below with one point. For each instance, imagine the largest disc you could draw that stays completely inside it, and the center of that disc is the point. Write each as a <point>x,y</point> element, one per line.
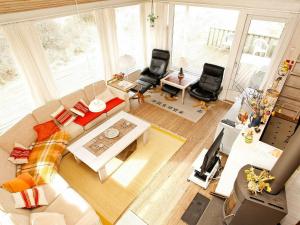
<point>209,86</point>
<point>158,67</point>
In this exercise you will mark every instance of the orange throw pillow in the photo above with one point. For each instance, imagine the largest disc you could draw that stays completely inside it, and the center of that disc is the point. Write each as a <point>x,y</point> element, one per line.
<point>20,183</point>
<point>45,130</point>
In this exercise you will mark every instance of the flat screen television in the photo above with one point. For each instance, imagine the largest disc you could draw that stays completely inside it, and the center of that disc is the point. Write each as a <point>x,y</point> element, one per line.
<point>210,157</point>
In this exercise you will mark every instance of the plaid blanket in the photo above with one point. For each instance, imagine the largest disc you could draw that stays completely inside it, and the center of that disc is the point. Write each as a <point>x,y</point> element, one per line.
<point>45,157</point>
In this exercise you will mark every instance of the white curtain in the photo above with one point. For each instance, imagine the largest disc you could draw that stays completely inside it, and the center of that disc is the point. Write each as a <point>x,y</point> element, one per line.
<point>106,23</point>
<point>25,44</point>
<point>157,36</point>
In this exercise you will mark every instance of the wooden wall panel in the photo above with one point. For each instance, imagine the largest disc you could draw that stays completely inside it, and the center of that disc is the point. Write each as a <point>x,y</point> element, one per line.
<point>12,6</point>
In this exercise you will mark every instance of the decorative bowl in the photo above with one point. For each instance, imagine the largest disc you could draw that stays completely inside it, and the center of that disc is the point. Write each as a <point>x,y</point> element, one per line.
<point>111,133</point>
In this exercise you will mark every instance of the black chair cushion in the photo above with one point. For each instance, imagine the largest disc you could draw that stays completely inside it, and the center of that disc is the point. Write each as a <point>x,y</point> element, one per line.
<point>203,95</point>
<point>141,86</point>
<point>170,89</point>
<point>149,78</point>
<point>210,83</point>
<point>158,67</point>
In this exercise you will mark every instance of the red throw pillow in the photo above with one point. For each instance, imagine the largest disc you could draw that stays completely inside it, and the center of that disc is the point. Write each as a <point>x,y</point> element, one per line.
<point>19,154</point>
<point>45,130</point>
<point>30,198</point>
<point>63,116</point>
<point>80,108</point>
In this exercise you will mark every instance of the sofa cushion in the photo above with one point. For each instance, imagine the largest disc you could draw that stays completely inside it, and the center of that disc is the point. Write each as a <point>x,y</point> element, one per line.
<point>42,114</point>
<point>7,169</point>
<point>71,99</point>
<point>94,89</point>
<point>46,218</point>
<point>89,117</point>
<point>114,105</point>
<point>7,203</point>
<point>52,190</point>
<point>22,132</point>
<point>106,95</point>
<point>74,130</point>
<point>14,219</point>
<point>71,205</point>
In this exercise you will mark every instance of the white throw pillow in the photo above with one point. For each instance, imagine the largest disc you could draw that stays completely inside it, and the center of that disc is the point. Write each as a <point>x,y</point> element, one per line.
<point>30,198</point>
<point>47,218</point>
<point>106,95</point>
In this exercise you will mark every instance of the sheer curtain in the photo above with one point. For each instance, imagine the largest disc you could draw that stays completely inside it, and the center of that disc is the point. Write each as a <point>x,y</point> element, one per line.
<point>157,36</point>
<point>105,20</point>
<point>29,55</point>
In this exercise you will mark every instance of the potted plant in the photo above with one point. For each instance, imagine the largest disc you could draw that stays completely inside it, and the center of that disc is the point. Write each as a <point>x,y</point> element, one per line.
<point>152,17</point>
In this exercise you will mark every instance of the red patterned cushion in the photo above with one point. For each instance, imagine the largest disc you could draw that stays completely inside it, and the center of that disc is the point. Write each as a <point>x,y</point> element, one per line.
<point>63,116</point>
<point>113,103</point>
<point>88,117</point>
<point>30,198</point>
<point>80,108</point>
<point>19,154</point>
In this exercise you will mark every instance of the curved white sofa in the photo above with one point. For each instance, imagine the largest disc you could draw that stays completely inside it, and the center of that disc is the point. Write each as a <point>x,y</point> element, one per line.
<point>61,197</point>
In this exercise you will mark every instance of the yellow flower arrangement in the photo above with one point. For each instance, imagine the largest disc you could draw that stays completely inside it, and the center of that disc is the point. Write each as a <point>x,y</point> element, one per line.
<point>258,183</point>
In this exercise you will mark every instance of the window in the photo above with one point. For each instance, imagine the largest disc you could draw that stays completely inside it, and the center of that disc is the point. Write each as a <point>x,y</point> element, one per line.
<point>15,97</point>
<point>129,33</point>
<point>202,35</point>
<point>73,50</point>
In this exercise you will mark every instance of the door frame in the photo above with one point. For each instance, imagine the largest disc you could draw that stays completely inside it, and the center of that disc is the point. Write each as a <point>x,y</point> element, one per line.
<point>240,40</point>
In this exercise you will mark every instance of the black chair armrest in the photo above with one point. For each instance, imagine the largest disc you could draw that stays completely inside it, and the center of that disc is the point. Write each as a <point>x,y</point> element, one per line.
<point>194,85</point>
<point>220,89</point>
<point>145,71</point>
<point>216,94</point>
<point>163,75</point>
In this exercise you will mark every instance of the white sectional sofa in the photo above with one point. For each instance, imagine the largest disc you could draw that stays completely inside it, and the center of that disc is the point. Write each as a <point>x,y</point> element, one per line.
<point>61,197</point>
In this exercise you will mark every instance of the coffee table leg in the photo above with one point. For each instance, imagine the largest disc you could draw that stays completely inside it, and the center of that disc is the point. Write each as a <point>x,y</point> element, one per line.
<point>77,159</point>
<point>182,98</point>
<point>145,136</point>
<point>102,174</point>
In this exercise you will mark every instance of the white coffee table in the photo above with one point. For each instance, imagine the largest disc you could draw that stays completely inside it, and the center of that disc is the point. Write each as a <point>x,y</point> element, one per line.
<point>172,80</point>
<point>98,163</point>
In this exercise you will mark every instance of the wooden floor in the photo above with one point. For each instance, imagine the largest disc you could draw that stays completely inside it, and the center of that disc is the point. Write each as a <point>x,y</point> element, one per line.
<point>164,201</point>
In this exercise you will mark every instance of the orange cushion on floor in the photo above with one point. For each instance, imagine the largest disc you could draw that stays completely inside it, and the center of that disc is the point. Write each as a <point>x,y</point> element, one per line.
<point>46,130</point>
<point>20,183</point>
<point>113,103</point>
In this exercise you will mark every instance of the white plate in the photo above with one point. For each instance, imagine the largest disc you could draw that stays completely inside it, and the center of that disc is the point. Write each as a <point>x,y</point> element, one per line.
<point>111,133</point>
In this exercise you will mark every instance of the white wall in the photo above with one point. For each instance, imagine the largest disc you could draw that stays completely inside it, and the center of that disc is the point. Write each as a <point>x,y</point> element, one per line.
<point>293,49</point>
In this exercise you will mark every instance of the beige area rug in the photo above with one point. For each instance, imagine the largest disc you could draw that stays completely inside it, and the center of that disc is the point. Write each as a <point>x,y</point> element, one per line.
<point>186,110</point>
<point>111,198</point>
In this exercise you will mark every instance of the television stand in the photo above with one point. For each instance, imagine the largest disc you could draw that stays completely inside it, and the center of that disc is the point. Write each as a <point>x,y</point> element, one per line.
<point>204,179</point>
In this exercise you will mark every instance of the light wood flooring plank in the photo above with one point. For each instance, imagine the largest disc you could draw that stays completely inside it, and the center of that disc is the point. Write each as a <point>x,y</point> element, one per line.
<point>169,194</point>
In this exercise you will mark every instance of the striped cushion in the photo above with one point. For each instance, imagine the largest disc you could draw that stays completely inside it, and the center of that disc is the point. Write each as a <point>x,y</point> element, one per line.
<point>80,108</point>
<point>30,198</point>
<point>63,116</point>
<point>19,154</point>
